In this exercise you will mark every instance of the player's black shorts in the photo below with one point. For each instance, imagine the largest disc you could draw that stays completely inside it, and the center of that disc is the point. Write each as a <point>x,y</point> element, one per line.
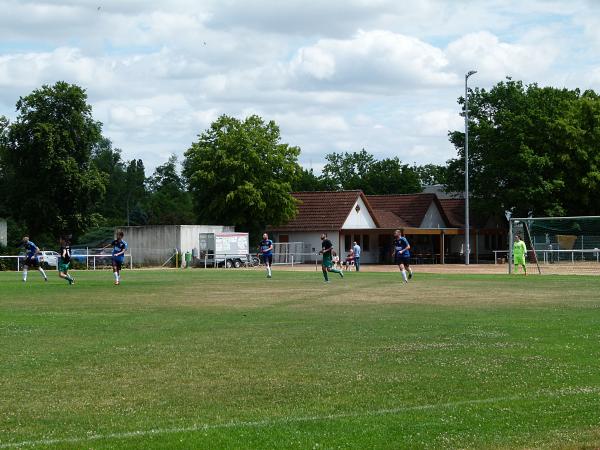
<point>401,258</point>
<point>268,259</point>
<point>32,261</point>
<point>117,263</point>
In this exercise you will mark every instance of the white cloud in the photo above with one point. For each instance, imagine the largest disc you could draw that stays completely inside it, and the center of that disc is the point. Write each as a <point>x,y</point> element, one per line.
<point>495,59</point>
<point>336,75</point>
<point>438,122</point>
<point>373,60</point>
<point>315,62</point>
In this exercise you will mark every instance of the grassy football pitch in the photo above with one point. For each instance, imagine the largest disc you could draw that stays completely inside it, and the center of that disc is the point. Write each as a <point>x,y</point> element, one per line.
<point>229,359</point>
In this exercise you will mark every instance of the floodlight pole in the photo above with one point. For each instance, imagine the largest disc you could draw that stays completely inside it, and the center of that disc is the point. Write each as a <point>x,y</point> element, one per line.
<point>467,225</point>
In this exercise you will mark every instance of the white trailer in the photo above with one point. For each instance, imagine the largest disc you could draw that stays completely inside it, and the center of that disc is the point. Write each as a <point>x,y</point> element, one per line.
<point>224,249</point>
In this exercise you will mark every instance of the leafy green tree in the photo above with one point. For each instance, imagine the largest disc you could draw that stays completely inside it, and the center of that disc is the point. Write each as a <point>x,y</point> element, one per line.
<point>308,181</point>
<point>47,162</point>
<point>169,202</point>
<point>430,174</point>
<point>346,171</point>
<point>4,177</point>
<point>109,162</point>
<point>240,173</point>
<point>135,193</point>
<point>390,176</point>
<point>360,170</point>
<point>531,149</point>
<point>577,140</point>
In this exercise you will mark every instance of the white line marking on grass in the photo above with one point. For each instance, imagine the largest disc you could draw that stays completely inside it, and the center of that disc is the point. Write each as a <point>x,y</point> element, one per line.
<point>287,420</point>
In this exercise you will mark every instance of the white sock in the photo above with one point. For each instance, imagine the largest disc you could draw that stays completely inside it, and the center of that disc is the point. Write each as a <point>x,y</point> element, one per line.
<point>116,276</point>
<point>24,275</point>
<point>269,269</point>
<point>404,275</point>
<point>42,272</point>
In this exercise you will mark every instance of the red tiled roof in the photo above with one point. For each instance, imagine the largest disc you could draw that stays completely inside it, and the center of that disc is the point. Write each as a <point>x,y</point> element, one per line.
<point>411,208</point>
<point>388,219</point>
<point>455,211</point>
<point>326,211</point>
<point>322,211</point>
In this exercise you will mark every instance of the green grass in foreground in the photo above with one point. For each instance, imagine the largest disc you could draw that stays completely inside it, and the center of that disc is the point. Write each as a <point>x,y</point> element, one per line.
<point>229,359</point>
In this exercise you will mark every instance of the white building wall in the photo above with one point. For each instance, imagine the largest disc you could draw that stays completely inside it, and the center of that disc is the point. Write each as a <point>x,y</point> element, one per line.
<point>433,218</point>
<point>154,244</point>
<point>189,234</point>
<point>3,233</point>
<point>360,219</point>
<point>151,244</point>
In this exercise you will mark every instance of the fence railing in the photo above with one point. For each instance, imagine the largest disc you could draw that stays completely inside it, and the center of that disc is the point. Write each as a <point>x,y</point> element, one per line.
<point>99,261</point>
<point>91,261</point>
<point>556,256</point>
<point>247,260</point>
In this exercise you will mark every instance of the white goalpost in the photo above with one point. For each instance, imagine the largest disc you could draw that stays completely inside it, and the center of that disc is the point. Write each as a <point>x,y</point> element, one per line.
<point>558,245</point>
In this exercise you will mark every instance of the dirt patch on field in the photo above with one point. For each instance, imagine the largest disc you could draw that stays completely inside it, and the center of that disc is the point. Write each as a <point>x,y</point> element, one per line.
<point>481,269</point>
<point>422,268</point>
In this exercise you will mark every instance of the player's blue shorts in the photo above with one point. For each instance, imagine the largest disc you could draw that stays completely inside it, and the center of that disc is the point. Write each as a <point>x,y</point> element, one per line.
<point>268,259</point>
<point>401,258</point>
<point>32,261</point>
<point>118,262</point>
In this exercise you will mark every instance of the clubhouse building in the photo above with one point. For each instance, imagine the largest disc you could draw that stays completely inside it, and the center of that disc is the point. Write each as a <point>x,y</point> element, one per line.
<point>432,221</point>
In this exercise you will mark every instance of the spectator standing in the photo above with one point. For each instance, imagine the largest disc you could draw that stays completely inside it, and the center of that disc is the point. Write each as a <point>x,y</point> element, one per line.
<point>356,248</point>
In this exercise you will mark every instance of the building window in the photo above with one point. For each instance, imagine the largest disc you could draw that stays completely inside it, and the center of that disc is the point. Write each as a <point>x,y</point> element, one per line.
<point>347,242</point>
<point>357,239</point>
<point>365,241</point>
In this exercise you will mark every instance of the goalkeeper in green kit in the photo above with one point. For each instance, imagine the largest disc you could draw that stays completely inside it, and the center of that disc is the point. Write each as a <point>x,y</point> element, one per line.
<point>519,251</point>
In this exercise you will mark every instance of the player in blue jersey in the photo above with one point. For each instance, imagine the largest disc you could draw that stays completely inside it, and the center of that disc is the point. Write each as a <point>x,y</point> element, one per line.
<point>266,250</point>
<point>118,256</point>
<point>32,258</point>
<point>402,255</point>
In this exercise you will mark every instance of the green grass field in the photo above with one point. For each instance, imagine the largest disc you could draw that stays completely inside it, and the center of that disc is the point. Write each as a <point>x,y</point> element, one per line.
<point>229,359</point>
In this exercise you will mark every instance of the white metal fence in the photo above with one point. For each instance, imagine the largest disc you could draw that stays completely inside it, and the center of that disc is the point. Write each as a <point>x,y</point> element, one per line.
<point>80,261</point>
<point>96,259</point>
<point>555,256</point>
<point>229,261</point>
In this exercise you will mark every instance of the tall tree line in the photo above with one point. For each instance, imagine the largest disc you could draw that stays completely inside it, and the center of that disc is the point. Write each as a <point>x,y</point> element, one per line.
<point>59,175</point>
<point>532,150</point>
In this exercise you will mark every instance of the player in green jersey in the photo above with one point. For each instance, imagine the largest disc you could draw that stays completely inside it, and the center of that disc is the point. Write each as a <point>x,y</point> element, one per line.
<point>327,252</point>
<point>64,260</point>
<point>519,252</point>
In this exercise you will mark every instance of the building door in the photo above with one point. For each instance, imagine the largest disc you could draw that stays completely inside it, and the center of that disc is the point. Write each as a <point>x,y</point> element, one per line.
<point>384,246</point>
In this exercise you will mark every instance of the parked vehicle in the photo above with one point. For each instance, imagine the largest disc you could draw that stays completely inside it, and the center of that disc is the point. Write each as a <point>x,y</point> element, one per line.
<point>224,249</point>
<point>48,258</point>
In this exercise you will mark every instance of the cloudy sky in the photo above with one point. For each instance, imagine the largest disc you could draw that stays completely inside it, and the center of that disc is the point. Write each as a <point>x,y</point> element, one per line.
<point>336,75</point>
